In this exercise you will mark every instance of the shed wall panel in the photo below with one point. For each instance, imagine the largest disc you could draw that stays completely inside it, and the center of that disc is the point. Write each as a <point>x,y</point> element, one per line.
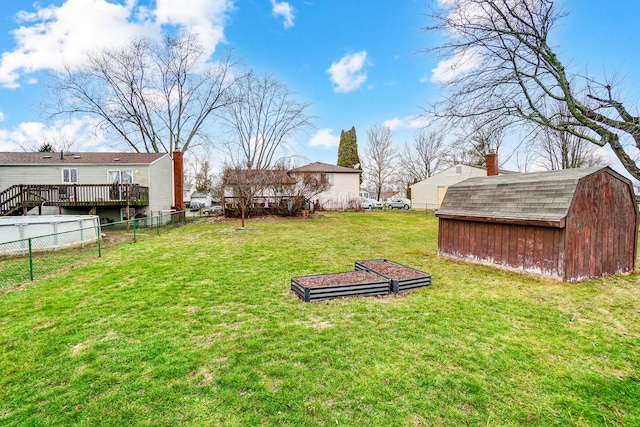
<point>522,247</point>
<point>601,229</point>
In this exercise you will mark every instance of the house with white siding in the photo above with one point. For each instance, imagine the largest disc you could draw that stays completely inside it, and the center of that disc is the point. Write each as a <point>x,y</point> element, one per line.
<point>112,185</point>
<point>429,193</point>
<point>274,191</point>
<point>344,184</point>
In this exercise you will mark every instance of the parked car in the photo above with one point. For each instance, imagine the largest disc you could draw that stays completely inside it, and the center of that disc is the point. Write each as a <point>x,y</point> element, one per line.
<point>399,203</point>
<point>370,204</point>
<point>196,206</point>
<point>213,210</point>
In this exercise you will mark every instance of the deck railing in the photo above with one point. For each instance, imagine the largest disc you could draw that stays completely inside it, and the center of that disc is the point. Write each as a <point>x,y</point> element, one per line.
<point>29,196</point>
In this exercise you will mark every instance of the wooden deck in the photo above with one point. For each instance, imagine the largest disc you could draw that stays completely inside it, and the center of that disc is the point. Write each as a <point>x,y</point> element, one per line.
<point>25,197</point>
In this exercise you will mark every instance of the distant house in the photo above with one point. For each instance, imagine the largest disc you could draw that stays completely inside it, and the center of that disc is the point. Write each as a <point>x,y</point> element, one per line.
<point>429,193</point>
<point>344,189</point>
<point>187,191</point>
<point>105,184</point>
<point>257,192</point>
<point>257,183</point>
<point>200,199</point>
<point>278,188</point>
<point>571,224</point>
<point>387,195</point>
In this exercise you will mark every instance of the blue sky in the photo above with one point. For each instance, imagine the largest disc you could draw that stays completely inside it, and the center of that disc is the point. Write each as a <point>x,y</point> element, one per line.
<point>357,61</point>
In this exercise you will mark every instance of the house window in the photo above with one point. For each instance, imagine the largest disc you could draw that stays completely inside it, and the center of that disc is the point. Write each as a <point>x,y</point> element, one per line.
<point>70,176</point>
<point>458,170</point>
<point>120,177</point>
<point>326,178</point>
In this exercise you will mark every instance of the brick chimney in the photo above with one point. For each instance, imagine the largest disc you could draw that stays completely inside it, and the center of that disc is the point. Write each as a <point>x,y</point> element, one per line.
<point>492,164</point>
<point>178,180</point>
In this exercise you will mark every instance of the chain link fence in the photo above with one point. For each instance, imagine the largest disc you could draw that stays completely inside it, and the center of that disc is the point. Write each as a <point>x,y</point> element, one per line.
<point>25,260</point>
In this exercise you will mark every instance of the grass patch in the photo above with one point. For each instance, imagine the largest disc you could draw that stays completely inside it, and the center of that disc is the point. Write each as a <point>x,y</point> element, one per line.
<point>198,327</point>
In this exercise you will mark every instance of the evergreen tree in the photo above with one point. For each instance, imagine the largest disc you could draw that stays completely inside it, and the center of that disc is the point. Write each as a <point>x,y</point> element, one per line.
<point>348,150</point>
<point>45,148</point>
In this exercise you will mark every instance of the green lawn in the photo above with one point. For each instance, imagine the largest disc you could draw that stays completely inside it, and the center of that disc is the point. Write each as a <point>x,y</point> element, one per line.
<point>198,327</point>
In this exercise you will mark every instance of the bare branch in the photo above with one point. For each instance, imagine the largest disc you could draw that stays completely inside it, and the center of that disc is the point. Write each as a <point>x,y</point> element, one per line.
<point>154,97</point>
<point>380,167</point>
<point>514,73</point>
<point>261,119</point>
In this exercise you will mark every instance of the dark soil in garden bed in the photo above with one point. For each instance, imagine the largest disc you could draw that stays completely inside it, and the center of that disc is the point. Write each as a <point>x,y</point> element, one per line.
<point>348,278</point>
<point>393,271</point>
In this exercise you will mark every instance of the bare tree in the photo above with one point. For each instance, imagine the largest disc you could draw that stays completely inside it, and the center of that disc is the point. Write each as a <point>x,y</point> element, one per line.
<point>242,186</point>
<point>476,141</point>
<point>59,140</point>
<point>203,178</point>
<point>525,157</point>
<point>261,119</point>
<point>380,158</point>
<point>502,67</point>
<point>423,157</point>
<point>154,97</point>
<point>558,149</point>
<point>563,150</point>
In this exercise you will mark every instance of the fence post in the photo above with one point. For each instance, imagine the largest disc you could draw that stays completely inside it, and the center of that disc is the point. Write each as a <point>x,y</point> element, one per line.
<point>30,261</point>
<point>135,229</point>
<point>99,240</point>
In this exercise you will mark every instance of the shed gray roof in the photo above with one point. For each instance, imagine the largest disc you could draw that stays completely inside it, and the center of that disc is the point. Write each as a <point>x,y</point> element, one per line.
<point>541,197</point>
<point>324,168</point>
<point>77,158</point>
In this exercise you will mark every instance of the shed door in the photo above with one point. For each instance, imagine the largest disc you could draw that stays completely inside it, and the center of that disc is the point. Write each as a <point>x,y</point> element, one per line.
<point>442,190</point>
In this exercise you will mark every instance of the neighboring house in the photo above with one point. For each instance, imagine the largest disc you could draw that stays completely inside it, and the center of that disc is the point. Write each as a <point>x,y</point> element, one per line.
<point>187,191</point>
<point>257,184</point>
<point>344,189</point>
<point>571,224</point>
<point>257,192</point>
<point>429,193</point>
<point>387,195</point>
<point>79,183</point>
<point>200,199</point>
<point>275,187</point>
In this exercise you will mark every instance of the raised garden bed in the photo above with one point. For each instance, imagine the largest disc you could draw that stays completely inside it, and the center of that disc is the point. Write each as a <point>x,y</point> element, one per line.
<point>352,283</point>
<point>402,278</point>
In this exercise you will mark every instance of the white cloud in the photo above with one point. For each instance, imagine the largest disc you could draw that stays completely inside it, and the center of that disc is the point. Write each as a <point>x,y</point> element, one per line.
<point>53,36</point>
<point>462,62</point>
<point>347,73</point>
<point>206,17</point>
<point>324,138</point>
<point>395,124</point>
<point>409,122</point>
<point>76,134</point>
<point>462,13</point>
<point>285,10</point>
<point>1,116</point>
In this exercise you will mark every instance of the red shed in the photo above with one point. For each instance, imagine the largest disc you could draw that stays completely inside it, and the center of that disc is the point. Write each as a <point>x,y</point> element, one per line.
<point>572,224</point>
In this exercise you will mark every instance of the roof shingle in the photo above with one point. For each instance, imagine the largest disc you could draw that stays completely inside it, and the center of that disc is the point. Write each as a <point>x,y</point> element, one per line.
<point>324,168</point>
<point>540,196</point>
<point>56,158</point>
